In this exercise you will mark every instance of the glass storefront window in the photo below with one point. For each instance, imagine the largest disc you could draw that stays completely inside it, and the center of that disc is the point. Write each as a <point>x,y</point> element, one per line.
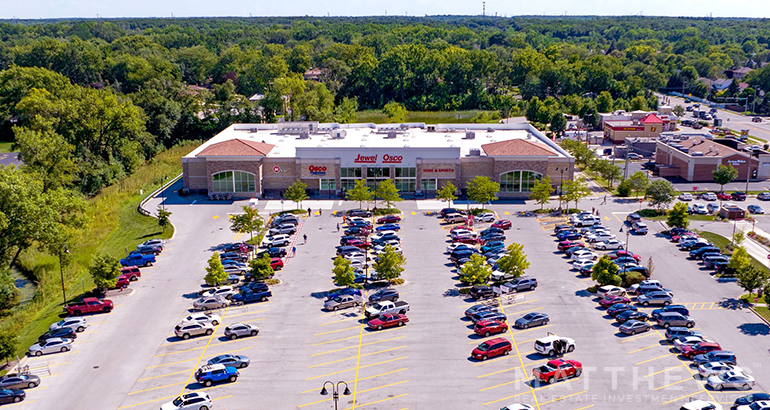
<point>350,172</point>
<point>405,184</point>
<point>222,182</point>
<point>233,181</point>
<point>376,172</point>
<point>328,184</point>
<point>406,172</point>
<point>518,181</point>
<point>347,184</point>
<point>428,184</point>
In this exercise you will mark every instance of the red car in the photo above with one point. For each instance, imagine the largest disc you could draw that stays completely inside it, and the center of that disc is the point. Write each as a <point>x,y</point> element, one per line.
<point>492,348</point>
<point>564,245</point>
<point>690,351</point>
<point>122,282</point>
<point>276,263</point>
<point>358,243</point>
<point>620,253</point>
<point>467,240</point>
<point>90,305</point>
<point>675,238</point>
<point>557,369</point>
<point>389,219</point>
<point>132,272</point>
<point>724,196</point>
<point>609,301</point>
<point>388,320</point>
<point>488,327</point>
<point>502,224</point>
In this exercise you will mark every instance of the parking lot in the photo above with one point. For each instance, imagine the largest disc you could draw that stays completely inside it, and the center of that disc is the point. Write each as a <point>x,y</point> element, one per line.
<point>131,359</point>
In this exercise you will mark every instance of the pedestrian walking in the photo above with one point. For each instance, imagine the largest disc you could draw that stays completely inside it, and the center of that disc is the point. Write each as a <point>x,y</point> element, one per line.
<point>593,210</point>
<point>605,200</point>
<point>338,226</point>
<point>305,238</point>
<point>320,212</point>
<point>309,212</point>
<point>293,251</point>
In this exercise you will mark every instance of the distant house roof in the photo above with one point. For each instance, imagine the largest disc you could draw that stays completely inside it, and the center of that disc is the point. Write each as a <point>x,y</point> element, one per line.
<point>237,147</point>
<point>313,74</point>
<point>651,118</point>
<point>721,83</point>
<point>516,147</point>
<point>257,97</point>
<point>741,70</point>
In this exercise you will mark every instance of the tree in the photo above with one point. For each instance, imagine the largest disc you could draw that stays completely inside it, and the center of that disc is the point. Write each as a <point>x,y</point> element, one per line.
<point>387,192</point>
<point>661,193</point>
<point>345,112</point>
<point>8,345</point>
<point>360,192</point>
<point>390,265</point>
<point>296,192</point>
<point>583,155</point>
<point>105,271</point>
<point>9,294</point>
<point>678,110</point>
<point>677,216</point>
<point>447,193</point>
<point>395,112</point>
<point>249,221</point>
<point>47,155</point>
<point>604,102</point>
<point>215,272</point>
<point>260,269</point>
<point>574,190</point>
<point>482,189</point>
<point>558,123</point>
<point>607,171</point>
<point>739,261</point>
<point>738,237</point>
<point>541,191</point>
<point>515,262</point>
<point>344,274</point>
<point>724,174</point>
<point>163,218</point>
<point>638,182</point>
<point>476,271</point>
<point>751,278</point>
<point>605,272</point>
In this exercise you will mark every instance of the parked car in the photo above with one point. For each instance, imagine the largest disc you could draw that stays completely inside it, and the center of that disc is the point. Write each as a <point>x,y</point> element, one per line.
<point>654,298</point>
<point>190,401</point>
<point>763,196</point>
<point>388,227</point>
<point>547,345</point>
<point>489,327</point>
<point>492,348</point>
<point>12,396</point>
<point>359,212</point>
<point>685,196</point>
<point>343,302</point>
<point>251,296</point>
<point>272,252</point>
<point>588,221</point>
<point>613,299</point>
<point>387,219</point>
<point>232,360</point>
<point>53,345</point>
<point>502,224</point>
<point>699,348</point>
<point>278,241</point>
<point>751,398</point>
<point>633,327</point>
<point>697,208</point>
<point>738,196</point>
<point>619,308</point>
<point>675,332</point>
<point>717,368</point>
<point>479,308</point>
<point>212,319</point>
<point>700,404</point>
<point>734,380</point>
<point>90,305</point>
<point>216,373</point>
<point>584,254</point>
<point>668,319</point>
<point>568,236</point>
<point>556,370</point>
<point>387,320</point>
<point>755,209</point>
<point>76,323</point>
<point>138,259</point>
<point>610,290</point>
<point>532,319</point>
<point>488,315</point>
<point>385,307</point>
<point>384,294</point>
<point>149,249</point>
<point>712,208</point>
<point>19,381</point>
<point>708,196</point>
<point>63,333</point>
<point>723,356</point>
<point>681,309</point>
<point>185,330</point>
<point>237,330</point>
<point>522,283</point>
<point>639,228</point>
<point>481,292</point>
<point>210,302</point>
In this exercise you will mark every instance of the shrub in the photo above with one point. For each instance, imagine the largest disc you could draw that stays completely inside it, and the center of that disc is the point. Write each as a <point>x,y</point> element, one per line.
<point>624,189</point>
<point>477,211</point>
<point>387,211</point>
<point>397,281</point>
<point>632,278</point>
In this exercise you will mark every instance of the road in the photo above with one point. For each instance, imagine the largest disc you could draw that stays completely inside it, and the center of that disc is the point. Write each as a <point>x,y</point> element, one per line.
<point>732,120</point>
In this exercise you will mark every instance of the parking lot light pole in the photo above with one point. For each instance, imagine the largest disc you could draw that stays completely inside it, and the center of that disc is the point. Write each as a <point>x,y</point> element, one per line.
<point>62,251</point>
<point>561,179</point>
<point>628,231</point>
<point>335,391</point>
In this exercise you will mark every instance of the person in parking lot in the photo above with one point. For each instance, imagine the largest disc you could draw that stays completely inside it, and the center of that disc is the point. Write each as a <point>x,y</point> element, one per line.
<point>338,226</point>
<point>305,238</point>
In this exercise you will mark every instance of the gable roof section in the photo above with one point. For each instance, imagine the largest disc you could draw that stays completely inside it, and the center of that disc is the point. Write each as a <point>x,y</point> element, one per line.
<point>651,118</point>
<point>516,147</point>
<point>237,147</point>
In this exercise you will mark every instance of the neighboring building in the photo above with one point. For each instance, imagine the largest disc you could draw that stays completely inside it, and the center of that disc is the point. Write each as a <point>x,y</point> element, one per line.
<point>251,159</point>
<point>694,158</point>
<point>720,84</point>
<point>650,125</point>
<point>313,74</point>
<point>737,73</point>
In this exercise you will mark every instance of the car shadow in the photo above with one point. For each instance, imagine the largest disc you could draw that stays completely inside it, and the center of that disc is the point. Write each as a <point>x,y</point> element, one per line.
<point>173,339</point>
<point>536,356</point>
<point>584,293</point>
<point>754,329</point>
<point>733,304</point>
<point>452,293</point>
<point>192,295</point>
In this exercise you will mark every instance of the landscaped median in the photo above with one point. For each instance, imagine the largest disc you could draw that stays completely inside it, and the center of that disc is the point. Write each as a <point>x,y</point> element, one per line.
<point>114,226</point>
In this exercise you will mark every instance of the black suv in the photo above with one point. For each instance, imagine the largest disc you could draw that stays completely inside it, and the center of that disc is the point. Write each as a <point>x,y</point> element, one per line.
<point>633,217</point>
<point>65,332</point>
<point>384,294</point>
<point>738,196</point>
<point>273,252</point>
<point>481,292</point>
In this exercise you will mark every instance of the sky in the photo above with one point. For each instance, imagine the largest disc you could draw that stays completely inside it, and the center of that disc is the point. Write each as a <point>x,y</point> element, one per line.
<point>35,9</point>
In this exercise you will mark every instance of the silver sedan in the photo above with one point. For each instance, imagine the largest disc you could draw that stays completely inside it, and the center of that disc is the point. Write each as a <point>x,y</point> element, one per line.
<point>53,345</point>
<point>237,330</point>
<point>19,381</point>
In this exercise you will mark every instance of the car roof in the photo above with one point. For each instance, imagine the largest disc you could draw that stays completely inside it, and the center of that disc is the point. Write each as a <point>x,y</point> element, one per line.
<point>496,340</point>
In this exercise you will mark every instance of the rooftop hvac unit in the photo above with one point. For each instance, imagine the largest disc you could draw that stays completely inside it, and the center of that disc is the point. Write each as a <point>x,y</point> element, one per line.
<point>685,149</point>
<point>469,135</point>
<point>339,134</point>
<point>475,152</point>
<point>490,129</point>
<point>391,135</point>
<point>697,153</point>
<point>304,135</point>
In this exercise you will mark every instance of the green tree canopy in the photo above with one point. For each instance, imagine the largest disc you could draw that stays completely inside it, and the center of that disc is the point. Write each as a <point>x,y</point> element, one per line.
<point>661,193</point>
<point>248,221</point>
<point>360,192</point>
<point>344,274</point>
<point>751,278</point>
<point>724,174</point>
<point>395,112</point>
<point>677,216</point>
<point>541,191</point>
<point>575,190</point>
<point>387,192</point>
<point>740,261</point>
<point>296,192</point>
<point>482,189</point>
<point>476,271</point>
<point>215,272</point>
<point>105,271</point>
<point>447,193</point>
<point>605,272</point>
<point>515,262</point>
<point>260,269</point>
<point>164,220</point>
<point>390,265</point>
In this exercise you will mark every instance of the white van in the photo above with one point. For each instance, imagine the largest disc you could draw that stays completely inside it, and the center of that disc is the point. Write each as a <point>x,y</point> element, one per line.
<point>544,345</point>
<point>588,221</point>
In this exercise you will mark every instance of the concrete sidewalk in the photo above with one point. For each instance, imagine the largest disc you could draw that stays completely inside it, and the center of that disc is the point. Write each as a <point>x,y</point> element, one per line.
<point>754,248</point>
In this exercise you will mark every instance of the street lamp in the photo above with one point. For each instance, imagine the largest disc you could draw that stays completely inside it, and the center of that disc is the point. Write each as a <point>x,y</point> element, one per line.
<point>335,391</point>
<point>561,179</point>
<point>62,251</point>
<point>748,173</point>
<point>628,231</point>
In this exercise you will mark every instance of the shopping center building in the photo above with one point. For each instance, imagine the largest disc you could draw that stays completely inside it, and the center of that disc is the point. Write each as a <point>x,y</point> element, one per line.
<point>251,160</point>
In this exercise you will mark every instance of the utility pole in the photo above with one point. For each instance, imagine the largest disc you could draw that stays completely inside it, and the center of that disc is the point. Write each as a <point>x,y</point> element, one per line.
<point>483,8</point>
<point>625,171</point>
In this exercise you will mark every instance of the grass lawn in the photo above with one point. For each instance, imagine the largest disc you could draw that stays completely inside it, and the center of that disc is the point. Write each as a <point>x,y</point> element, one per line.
<point>722,242</point>
<point>761,310</point>
<point>5,147</point>
<point>115,226</point>
<point>428,117</point>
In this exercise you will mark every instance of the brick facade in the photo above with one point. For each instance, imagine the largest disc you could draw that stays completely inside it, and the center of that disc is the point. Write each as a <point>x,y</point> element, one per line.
<point>251,166</point>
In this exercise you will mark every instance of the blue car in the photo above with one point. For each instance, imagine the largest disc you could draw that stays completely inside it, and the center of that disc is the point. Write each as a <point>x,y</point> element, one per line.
<point>569,236</point>
<point>755,209</point>
<point>388,227</point>
<point>342,292</point>
<point>491,246</point>
<point>216,373</point>
<point>681,309</point>
<point>619,308</point>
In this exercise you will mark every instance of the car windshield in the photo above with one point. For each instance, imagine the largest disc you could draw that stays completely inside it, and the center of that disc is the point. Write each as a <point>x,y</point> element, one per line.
<point>724,376</point>
<point>483,347</point>
<point>178,401</point>
<point>529,316</point>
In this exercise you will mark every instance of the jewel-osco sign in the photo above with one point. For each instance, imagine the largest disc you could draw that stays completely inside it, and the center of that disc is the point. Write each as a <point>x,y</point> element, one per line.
<point>317,170</point>
<point>372,159</point>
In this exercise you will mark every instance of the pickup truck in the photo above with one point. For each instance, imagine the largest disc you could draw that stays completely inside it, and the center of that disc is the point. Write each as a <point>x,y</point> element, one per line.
<point>137,259</point>
<point>89,305</point>
<point>250,297</point>
<point>556,370</point>
<point>380,308</point>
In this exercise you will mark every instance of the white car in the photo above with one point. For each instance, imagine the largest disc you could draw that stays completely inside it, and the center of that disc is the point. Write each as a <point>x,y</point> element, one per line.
<point>210,302</point>
<point>712,208</point>
<point>584,263</point>
<point>214,320</point>
<point>458,233</point>
<point>757,405</point>
<point>278,241</point>
<point>52,345</point>
<point>685,196</point>
<point>610,244</point>
<point>708,196</point>
<point>518,406</point>
<point>583,255</point>
<point>358,263</point>
<point>716,368</point>
<point>391,242</point>
<point>576,217</point>
<point>380,234</point>
<point>190,401</point>
<point>609,290</point>
<point>485,217</point>
<point>734,380</point>
<point>680,342</point>
<point>381,248</point>
<point>451,246</point>
<point>224,291</point>
<point>600,237</point>
<point>701,405</point>
<point>699,209</point>
<point>77,324</point>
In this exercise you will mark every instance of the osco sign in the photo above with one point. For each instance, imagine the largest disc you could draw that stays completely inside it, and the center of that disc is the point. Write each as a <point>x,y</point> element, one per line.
<point>314,168</point>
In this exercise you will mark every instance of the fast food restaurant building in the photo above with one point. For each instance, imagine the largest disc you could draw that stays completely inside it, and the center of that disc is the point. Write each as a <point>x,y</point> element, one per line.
<point>257,159</point>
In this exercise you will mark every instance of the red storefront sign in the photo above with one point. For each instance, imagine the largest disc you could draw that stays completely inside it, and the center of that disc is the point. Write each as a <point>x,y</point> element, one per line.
<point>437,170</point>
<point>372,159</point>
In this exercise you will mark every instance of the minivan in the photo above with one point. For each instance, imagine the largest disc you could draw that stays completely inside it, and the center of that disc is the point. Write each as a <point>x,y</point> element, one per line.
<point>657,297</point>
<point>522,283</point>
<point>669,319</point>
<point>492,348</point>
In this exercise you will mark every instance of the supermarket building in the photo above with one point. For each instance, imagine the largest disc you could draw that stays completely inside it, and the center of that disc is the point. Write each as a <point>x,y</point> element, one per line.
<point>252,160</point>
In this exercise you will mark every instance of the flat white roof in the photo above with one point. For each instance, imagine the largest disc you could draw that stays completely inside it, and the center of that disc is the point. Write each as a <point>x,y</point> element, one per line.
<point>402,136</point>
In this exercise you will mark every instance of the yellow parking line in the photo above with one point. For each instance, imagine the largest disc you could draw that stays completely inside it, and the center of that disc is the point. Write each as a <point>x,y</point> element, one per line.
<point>513,304</point>
<point>96,323</point>
<point>522,393</point>
<point>511,368</point>
<point>530,329</point>
<point>502,384</point>
<point>253,320</point>
<point>223,397</point>
<point>189,360</point>
<point>147,402</point>
<point>683,397</point>
<point>336,331</point>
<point>158,387</point>
<point>665,370</point>
<point>654,358</point>
<point>629,339</point>
<point>712,305</point>
<point>161,375</point>
<point>564,397</point>
<point>524,311</point>
<point>644,348</point>
<point>586,407</point>
<point>353,347</point>
<point>363,378</point>
<point>362,391</point>
<point>246,313</point>
<point>205,348</point>
<point>354,357</point>
<point>22,402</point>
<point>521,361</point>
<point>380,401</point>
<point>338,321</point>
<point>525,341</point>
<point>353,368</point>
<point>680,381</point>
<point>702,388</point>
<point>215,217</point>
<point>341,339</point>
